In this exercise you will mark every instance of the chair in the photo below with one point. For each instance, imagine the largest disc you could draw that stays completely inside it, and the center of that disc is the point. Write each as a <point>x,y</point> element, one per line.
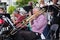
<point>46,31</point>
<point>52,31</point>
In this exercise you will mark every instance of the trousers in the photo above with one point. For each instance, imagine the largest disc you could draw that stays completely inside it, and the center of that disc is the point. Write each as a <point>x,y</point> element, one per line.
<point>24,35</point>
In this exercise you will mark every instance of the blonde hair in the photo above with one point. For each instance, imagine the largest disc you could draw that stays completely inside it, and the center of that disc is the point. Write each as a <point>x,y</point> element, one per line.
<point>41,1</point>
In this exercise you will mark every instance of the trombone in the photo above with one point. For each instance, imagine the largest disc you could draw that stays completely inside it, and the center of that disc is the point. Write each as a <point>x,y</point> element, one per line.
<point>27,20</point>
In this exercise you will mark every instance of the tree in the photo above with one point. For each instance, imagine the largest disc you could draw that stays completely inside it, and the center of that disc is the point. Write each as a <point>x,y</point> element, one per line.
<point>23,2</point>
<point>11,9</point>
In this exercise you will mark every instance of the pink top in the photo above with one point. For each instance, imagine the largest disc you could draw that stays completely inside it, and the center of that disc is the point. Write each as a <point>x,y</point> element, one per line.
<point>39,24</point>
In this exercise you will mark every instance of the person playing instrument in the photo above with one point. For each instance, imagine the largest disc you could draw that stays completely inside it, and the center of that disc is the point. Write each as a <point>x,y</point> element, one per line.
<point>39,22</point>
<point>18,18</point>
<point>38,19</point>
<point>56,18</point>
<point>22,34</point>
<point>38,25</point>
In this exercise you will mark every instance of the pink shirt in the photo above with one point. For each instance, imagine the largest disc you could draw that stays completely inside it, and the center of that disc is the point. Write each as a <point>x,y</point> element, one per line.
<point>39,24</point>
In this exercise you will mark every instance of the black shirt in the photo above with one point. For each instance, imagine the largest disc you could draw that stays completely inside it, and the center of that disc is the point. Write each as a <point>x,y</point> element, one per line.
<point>27,8</point>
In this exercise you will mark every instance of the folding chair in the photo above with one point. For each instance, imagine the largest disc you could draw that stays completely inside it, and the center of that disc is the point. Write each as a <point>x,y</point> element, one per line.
<point>52,31</point>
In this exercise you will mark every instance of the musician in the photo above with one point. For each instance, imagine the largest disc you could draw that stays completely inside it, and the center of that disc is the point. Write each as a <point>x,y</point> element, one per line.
<point>39,22</point>
<point>36,28</point>
<point>17,18</point>
<point>22,34</point>
<point>55,17</point>
<point>55,9</point>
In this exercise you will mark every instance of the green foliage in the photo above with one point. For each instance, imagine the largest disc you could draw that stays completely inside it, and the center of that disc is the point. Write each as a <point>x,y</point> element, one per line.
<point>34,1</point>
<point>23,2</point>
<point>11,9</point>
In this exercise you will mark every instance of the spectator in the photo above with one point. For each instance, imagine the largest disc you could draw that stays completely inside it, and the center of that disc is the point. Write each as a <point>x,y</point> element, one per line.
<point>1,10</point>
<point>42,3</point>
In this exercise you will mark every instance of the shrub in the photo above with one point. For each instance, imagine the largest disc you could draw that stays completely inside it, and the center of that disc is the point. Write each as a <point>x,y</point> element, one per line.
<point>11,9</point>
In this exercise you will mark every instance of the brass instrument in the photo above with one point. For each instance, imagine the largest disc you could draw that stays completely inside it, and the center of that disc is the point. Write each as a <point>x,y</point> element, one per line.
<point>35,15</point>
<point>27,20</point>
<point>58,7</point>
